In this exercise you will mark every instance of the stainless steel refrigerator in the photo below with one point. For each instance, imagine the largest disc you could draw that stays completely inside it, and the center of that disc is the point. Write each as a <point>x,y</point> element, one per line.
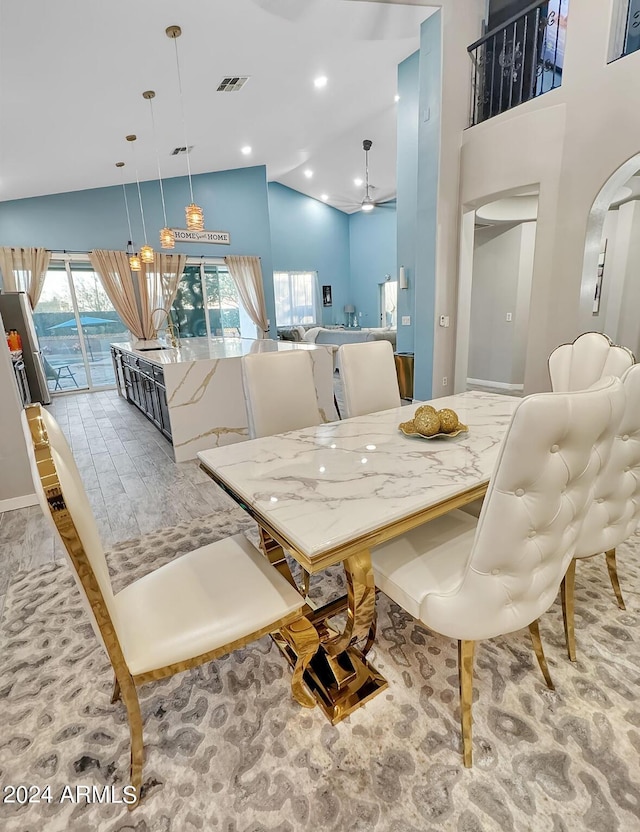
<point>15,310</point>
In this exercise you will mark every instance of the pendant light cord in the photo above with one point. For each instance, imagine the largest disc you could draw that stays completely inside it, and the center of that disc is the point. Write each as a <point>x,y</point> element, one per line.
<point>184,123</point>
<point>126,206</point>
<point>155,141</point>
<point>135,165</point>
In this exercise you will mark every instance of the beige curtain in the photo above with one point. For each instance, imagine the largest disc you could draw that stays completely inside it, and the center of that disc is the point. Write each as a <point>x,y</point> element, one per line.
<point>113,269</point>
<point>158,283</point>
<point>247,275</point>
<point>24,270</point>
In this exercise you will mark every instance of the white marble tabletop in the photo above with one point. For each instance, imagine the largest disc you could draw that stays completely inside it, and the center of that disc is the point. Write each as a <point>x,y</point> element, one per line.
<point>200,349</point>
<point>324,487</point>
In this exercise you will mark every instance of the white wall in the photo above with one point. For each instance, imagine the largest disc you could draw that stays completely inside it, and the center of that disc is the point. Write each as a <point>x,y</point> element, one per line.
<point>568,142</point>
<point>16,485</point>
<point>502,271</point>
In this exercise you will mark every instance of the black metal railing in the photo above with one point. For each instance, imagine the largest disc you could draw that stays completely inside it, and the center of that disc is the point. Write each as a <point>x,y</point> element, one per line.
<point>519,60</point>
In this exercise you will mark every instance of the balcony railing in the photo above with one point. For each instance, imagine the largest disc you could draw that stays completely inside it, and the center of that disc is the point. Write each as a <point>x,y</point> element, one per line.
<point>519,60</point>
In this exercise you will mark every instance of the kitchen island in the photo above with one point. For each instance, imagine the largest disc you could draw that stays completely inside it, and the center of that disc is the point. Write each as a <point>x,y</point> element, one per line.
<point>193,393</point>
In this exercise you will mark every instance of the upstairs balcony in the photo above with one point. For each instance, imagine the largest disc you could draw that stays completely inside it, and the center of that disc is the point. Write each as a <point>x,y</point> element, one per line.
<point>519,60</point>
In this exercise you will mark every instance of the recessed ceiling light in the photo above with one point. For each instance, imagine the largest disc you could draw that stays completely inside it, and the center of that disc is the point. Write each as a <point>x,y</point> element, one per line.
<point>396,98</point>
<point>308,173</point>
<point>246,150</point>
<point>357,181</point>
<point>324,197</point>
<point>320,82</point>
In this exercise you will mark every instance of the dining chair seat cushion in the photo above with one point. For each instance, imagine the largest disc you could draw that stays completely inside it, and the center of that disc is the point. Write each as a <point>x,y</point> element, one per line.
<point>430,558</point>
<point>199,602</point>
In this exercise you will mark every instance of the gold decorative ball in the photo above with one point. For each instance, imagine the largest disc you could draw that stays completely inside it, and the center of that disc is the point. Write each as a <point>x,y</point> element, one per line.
<point>427,423</point>
<point>448,420</point>
<point>425,408</point>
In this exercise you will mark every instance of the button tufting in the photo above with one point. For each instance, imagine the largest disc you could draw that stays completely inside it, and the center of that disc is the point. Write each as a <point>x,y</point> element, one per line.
<point>532,534</point>
<point>519,492</point>
<point>626,470</point>
<point>495,571</point>
<point>625,437</point>
<point>555,449</point>
<point>600,499</point>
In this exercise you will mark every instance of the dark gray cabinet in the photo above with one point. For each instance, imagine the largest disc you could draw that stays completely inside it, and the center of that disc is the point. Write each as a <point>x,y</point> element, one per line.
<point>142,383</point>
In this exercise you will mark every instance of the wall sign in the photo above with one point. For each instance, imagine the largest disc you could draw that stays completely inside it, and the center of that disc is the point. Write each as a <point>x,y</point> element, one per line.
<point>220,238</point>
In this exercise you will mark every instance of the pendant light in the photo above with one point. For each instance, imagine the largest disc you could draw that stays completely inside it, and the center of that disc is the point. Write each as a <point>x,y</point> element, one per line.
<point>146,252</point>
<point>167,240</point>
<point>193,213</point>
<point>367,203</point>
<point>134,260</point>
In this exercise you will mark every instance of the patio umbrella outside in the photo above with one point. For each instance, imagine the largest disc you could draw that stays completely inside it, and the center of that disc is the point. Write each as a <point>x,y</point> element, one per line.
<point>85,320</point>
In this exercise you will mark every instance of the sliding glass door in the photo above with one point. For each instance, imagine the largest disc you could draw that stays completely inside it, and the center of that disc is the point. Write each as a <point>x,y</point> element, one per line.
<point>76,322</point>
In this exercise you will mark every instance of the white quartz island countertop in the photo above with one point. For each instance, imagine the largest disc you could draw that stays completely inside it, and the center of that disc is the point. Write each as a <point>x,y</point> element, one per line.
<point>203,380</point>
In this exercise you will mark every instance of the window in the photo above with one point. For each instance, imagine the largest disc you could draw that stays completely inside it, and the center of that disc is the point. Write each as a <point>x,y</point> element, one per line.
<point>207,304</point>
<point>297,298</point>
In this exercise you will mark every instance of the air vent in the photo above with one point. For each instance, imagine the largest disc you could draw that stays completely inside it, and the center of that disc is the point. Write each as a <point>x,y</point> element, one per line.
<point>181,151</point>
<point>233,83</point>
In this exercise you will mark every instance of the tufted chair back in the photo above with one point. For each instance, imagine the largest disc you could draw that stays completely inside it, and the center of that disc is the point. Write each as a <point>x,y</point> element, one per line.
<point>615,509</point>
<point>592,356</point>
<point>532,515</point>
<point>280,392</point>
<point>75,500</point>
<point>369,378</point>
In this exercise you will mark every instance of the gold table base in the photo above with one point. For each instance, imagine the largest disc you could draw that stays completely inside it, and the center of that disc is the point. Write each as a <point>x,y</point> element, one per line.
<point>340,684</point>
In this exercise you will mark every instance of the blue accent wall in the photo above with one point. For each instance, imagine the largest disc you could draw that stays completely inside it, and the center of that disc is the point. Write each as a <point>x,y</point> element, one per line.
<point>307,235</point>
<point>430,98</point>
<point>233,200</point>
<point>373,256</point>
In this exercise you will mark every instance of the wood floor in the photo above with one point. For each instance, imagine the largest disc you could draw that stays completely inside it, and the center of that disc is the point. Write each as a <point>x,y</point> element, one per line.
<point>127,466</point>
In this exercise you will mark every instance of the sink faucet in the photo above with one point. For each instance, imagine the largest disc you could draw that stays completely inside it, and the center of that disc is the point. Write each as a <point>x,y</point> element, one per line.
<point>175,341</point>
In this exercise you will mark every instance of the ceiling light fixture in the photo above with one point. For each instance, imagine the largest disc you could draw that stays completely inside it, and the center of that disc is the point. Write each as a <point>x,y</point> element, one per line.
<point>358,182</point>
<point>308,173</point>
<point>367,203</point>
<point>167,240</point>
<point>193,213</point>
<point>246,150</point>
<point>396,98</point>
<point>324,197</point>
<point>320,82</point>
<point>134,260</point>
<point>146,252</point>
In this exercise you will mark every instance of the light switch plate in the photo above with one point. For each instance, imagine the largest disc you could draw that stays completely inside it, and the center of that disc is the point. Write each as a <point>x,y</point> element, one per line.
<point>509,316</point>
<point>444,320</point>
<point>406,320</point>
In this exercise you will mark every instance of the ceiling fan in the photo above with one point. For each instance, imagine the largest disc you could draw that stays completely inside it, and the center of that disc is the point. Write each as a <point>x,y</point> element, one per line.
<point>369,200</point>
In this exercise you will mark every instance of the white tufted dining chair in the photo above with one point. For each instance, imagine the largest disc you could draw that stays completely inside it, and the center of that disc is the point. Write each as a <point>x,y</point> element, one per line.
<point>192,610</point>
<point>615,510</point>
<point>280,392</point>
<point>369,378</point>
<point>474,579</point>
<point>590,357</point>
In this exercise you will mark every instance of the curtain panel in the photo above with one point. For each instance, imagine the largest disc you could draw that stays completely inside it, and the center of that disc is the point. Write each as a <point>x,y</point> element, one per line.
<point>24,270</point>
<point>247,275</point>
<point>156,283</point>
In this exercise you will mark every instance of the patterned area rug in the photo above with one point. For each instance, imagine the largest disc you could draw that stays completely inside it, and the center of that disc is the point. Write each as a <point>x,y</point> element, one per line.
<point>229,750</point>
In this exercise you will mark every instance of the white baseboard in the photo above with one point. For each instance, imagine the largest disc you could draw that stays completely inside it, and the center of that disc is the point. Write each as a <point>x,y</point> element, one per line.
<point>501,385</point>
<point>14,503</point>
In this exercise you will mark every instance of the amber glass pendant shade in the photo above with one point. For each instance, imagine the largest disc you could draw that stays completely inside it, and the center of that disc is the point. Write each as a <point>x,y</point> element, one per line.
<point>195,217</point>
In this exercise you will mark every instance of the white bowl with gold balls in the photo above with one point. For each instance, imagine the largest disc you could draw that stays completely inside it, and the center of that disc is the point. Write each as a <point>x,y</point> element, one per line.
<point>429,423</point>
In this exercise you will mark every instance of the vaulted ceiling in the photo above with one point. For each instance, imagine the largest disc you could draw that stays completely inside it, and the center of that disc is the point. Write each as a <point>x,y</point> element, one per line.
<point>72,76</point>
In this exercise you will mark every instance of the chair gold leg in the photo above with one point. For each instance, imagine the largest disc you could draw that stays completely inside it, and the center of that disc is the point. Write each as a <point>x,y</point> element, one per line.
<point>305,641</point>
<point>130,699</point>
<point>465,670</point>
<point>534,630</point>
<point>115,696</point>
<point>567,591</point>
<point>612,566</point>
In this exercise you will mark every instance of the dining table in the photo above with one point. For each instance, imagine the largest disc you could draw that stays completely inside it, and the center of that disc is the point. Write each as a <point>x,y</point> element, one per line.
<point>328,494</point>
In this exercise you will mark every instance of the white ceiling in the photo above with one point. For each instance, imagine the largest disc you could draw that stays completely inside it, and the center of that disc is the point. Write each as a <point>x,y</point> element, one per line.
<point>72,76</point>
